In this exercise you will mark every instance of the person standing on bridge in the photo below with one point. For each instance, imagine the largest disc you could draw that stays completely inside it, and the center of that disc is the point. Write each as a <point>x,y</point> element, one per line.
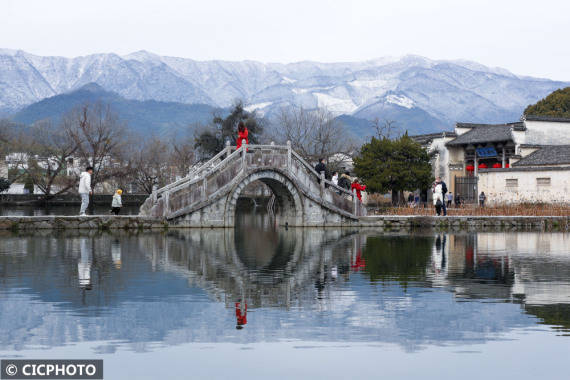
<point>322,168</point>
<point>242,134</point>
<point>358,187</point>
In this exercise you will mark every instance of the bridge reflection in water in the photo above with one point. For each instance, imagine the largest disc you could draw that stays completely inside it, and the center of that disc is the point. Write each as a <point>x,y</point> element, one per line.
<point>306,284</point>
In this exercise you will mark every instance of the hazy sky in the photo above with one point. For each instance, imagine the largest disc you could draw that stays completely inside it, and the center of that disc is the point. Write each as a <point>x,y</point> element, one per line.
<point>525,37</point>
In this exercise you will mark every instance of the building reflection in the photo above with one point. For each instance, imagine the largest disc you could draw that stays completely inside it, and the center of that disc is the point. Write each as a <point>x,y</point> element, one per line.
<point>530,268</point>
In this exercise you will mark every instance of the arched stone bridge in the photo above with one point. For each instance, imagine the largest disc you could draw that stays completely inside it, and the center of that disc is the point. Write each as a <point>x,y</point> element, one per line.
<point>207,197</point>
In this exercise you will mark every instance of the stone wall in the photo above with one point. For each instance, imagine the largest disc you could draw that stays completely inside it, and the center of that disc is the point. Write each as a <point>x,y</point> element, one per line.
<point>103,222</point>
<point>383,222</point>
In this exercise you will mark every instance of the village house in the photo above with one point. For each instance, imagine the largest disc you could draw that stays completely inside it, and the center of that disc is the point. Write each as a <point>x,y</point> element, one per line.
<point>524,161</point>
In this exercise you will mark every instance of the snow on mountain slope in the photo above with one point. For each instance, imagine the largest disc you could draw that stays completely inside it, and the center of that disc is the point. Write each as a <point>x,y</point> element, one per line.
<point>444,90</point>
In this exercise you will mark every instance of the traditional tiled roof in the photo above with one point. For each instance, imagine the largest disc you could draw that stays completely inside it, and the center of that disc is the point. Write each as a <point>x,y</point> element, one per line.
<point>517,125</point>
<point>547,118</point>
<point>429,137</point>
<point>547,155</point>
<point>483,133</point>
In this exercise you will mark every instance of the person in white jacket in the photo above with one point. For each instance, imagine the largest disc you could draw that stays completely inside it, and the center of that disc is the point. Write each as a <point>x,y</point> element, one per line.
<point>85,189</point>
<point>438,198</point>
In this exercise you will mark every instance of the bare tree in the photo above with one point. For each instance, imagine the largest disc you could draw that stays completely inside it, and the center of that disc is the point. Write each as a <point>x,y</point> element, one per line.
<point>100,138</point>
<point>150,165</point>
<point>45,152</point>
<point>386,128</point>
<point>314,134</point>
<point>182,156</point>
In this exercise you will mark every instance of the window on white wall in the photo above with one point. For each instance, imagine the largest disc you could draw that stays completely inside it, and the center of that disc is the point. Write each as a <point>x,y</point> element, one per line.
<point>545,181</point>
<point>511,182</point>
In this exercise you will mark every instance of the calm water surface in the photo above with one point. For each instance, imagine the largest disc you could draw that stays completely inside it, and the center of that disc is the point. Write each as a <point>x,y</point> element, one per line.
<point>259,302</point>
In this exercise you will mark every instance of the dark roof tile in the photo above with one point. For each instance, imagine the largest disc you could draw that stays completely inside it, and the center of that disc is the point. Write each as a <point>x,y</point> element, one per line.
<point>484,133</point>
<point>547,118</point>
<point>547,155</point>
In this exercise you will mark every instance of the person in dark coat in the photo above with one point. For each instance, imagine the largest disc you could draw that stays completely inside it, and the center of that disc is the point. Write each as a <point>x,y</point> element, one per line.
<point>344,181</point>
<point>322,168</point>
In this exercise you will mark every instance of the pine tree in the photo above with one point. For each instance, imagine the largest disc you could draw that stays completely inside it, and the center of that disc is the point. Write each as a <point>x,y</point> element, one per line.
<point>393,165</point>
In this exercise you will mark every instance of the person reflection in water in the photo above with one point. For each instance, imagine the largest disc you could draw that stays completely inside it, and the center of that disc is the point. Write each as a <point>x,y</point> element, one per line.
<point>359,263</point>
<point>116,253</point>
<point>241,314</point>
<point>84,265</point>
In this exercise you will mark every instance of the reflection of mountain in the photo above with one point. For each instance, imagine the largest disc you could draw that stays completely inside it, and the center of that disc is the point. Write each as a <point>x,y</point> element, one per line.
<point>311,284</point>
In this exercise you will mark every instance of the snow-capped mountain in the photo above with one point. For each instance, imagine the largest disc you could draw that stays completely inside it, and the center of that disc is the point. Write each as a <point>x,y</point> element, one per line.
<point>445,91</point>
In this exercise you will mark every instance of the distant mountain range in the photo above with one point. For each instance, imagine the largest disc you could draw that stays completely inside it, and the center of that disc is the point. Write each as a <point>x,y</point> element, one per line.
<point>422,95</point>
<point>149,117</point>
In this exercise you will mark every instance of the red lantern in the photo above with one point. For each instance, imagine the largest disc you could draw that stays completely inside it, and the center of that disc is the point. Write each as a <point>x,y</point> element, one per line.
<point>483,166</point>
<point>507,166</point>
<point>496,165</point>
<point>470,168</point>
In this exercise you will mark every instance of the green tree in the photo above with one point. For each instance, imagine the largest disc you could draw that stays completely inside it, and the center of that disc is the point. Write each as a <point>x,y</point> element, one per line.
<point>211,139</point>
<point>557,104</point>
<point>393,165</point>
<point>4,184</point>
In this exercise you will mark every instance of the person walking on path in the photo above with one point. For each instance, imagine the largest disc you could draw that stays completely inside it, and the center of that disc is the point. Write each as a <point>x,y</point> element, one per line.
<point>117,202</point>
<point>482,198</point>
<point>449,199</point>
<point>438,181</point>
<point>242,134</point>
<point>85,189</point>
<point>358,187</point>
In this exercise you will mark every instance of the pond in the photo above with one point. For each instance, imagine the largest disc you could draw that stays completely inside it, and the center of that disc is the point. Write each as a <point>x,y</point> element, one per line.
<point>261,301</point>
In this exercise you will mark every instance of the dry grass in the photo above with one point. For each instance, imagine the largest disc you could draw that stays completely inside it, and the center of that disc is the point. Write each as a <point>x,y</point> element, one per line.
<point>473,210</point>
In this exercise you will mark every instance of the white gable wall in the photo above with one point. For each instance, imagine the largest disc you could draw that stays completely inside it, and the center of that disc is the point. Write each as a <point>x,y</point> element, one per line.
<point>546,133</point>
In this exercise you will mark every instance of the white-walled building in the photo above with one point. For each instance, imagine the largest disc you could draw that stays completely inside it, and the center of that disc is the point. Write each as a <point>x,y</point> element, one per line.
<point>525,161</point>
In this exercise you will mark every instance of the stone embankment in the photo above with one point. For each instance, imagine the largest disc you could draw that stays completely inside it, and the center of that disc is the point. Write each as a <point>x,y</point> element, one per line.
<point>95,222</point>
<point>385,222</point>
<point>467,222</point>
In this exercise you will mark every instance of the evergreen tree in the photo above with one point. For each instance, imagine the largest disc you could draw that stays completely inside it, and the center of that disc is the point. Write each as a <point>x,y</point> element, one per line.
<point>4,184</point>
<point>393,165</point>
<point>212,139</point>
<point>557,104</point>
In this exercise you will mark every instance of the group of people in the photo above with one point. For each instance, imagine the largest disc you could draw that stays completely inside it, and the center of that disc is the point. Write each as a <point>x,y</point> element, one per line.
<point>85,192</point>
<point>442,199</point>
<point>344,180</point>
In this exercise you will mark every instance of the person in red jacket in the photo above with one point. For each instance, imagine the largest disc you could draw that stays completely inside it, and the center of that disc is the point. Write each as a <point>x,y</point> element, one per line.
<point>356,185</point>
<point>242,134</point>
<point>241,315</point>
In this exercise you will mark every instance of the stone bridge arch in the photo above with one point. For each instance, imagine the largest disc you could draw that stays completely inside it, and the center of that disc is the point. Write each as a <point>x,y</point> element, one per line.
<point>207,197</point>
<point>287,195</point>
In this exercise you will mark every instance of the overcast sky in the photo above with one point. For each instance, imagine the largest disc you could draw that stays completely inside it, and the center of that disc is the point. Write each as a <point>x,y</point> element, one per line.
<point>525,37</point>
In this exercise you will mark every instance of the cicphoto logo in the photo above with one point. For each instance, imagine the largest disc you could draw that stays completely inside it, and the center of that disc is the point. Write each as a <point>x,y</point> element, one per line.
<point>52,369</point>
